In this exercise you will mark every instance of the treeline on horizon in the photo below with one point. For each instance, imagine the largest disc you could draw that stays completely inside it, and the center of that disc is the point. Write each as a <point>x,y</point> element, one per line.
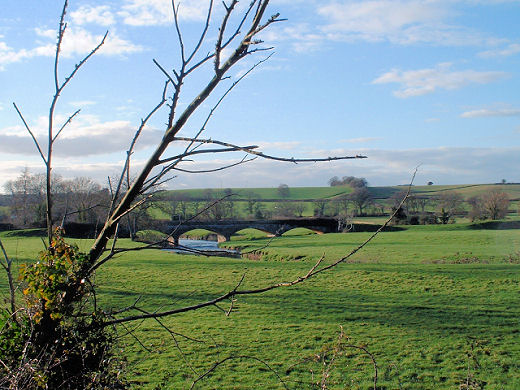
<point>82,200</point>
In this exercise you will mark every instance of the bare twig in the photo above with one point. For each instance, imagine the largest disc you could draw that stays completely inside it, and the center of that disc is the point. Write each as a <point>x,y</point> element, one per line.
<point>249,149</point>
<point>8,270</point>
<point>68,121</point>
<point>31,134</point>
<point>238,357</point>
<point>315,270</point>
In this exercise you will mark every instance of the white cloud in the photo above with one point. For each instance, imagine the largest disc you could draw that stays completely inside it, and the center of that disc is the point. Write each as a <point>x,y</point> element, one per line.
<point>375,19</point>
<point>79,42</point>
<point>509,50</point>
<point>401,22</point>
<point>424,81</point>
<point>303,38</point>
<point>85,14</point>
<point>486,112</point>
<point>382,167</point>
<point>159,12</point>
<point>441,165</point>
<point>8,55</point>
<point>85,136</point>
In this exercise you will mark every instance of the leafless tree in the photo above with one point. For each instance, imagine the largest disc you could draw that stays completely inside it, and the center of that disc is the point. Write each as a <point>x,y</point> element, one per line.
<point>491,205</point>
<point>449,204</point>
<point>251,200</point>
<point>299,208</point>
<point>320,207</point>
<point>283,190</point>
<point>284,209</point>
<point>241,40</point>
<point>361,197</point>
<point>53,131</point>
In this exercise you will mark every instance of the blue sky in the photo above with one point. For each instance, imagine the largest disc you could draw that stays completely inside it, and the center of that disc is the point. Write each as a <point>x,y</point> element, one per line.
<point>407,83</point>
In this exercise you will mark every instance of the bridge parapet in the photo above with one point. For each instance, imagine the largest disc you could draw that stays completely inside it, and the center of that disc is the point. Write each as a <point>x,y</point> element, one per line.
<point>226,228</point>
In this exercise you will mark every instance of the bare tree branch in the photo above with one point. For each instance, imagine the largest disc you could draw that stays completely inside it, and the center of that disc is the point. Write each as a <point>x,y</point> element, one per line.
<point>65,124</point>
<point>8,270</point>
<point>248,149</point>
<point>31,133</point>
<point>315,270</point>
<point>238,357</point>
<point>243,161</point>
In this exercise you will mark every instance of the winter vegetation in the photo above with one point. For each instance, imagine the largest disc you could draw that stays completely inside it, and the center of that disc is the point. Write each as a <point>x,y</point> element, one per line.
<point>97,295</point>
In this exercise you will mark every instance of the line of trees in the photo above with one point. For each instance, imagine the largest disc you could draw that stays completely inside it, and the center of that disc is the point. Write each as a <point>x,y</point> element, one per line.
<point>79,200</point>
<point>83,200</point>
<point>445,207</point>
<point>351,181</point>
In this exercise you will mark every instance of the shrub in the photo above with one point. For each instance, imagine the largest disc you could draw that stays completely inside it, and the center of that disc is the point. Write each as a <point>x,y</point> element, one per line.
<point>56,339</point>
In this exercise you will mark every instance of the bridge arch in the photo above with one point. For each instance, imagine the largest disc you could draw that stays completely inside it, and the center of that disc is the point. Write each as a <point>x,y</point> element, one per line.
<point>303,230</point>
<point>226,228</point>
<point>264,232</point>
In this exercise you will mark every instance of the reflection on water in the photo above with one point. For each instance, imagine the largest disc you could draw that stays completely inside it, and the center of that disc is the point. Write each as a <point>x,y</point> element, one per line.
<point>209,247</point>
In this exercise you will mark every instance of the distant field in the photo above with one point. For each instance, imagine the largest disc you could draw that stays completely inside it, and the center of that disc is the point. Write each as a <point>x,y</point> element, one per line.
<point>268,197</point>
<point>295,193</point>
<point>437,306</point>
<point>467,190</point>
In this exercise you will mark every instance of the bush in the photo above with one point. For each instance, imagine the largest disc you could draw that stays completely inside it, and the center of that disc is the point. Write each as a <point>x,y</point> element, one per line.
<point>56,339</point>
<point>149,236</point>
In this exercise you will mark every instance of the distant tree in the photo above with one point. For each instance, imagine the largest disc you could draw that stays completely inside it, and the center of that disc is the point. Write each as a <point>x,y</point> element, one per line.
<point>495,204</point>
<point>299,208</point>
<point>251,199</point>
<point>358,182</point>
<point>343,205</point>
<point>396,200</point>
<point>422,203</point>
<point>284,209</point>
<point>27,195</point>
<point>320,207</point>
<point>361,198</point>
<point>449,204</point>
<point>504,181</point>
<point>20,191</point>
<point>260,212</point>
<point>228,192</point>
<point>351,181</point>
<point>334,181</point>
<point>179,205</point>
<point>283,191</point>
<point>491,205</point>
<point>378,208</point>
<point>430,183</point>
<point>476,211</point>
<point>399,215</point>
<point>86,199</point>
<point>218,205</point>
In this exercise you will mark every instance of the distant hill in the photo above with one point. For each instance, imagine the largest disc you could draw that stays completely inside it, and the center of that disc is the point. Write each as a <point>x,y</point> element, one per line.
<point>383,192</point>
<point>265,194</point>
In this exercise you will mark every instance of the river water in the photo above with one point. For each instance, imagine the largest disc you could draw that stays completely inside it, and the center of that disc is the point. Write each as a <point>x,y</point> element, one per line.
<point>208,247</point>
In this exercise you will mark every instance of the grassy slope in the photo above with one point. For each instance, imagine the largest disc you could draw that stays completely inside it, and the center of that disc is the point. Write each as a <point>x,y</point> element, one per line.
<point>467,191</point>
<point>295,193</point>
<point>404,297</point>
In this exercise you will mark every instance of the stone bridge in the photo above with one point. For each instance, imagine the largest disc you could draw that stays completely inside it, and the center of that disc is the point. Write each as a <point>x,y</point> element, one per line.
<point>274,227</point>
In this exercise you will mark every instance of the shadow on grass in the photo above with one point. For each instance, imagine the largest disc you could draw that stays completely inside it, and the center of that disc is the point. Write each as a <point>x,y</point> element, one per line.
<point>495,225</point>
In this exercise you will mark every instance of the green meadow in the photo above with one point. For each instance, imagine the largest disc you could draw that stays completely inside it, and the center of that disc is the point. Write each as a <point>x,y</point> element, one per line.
<point>438,307</point>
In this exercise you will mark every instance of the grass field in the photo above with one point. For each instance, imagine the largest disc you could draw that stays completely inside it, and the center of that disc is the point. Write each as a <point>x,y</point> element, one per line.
<point>268,197</point>
<point>437,306</point>
<point>295,193</point>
